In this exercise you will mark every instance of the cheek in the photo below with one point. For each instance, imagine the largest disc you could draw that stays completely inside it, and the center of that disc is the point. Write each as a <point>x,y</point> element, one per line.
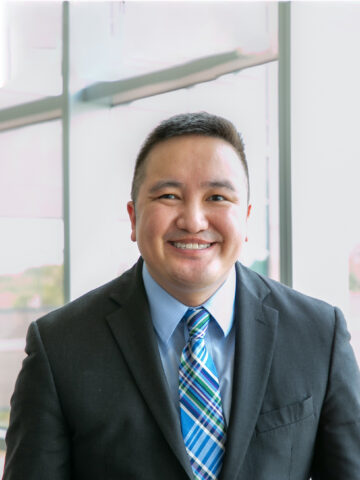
<point>232,227</point>
<point>145,230</point>
<point>228,222</point>
<point>154,223</point>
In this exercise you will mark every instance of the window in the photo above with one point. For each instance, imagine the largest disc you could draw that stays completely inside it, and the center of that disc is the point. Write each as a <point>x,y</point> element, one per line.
<point>325,156</point>
<point>131,40</point>
<point>107,131</point>
<point>31,241</point>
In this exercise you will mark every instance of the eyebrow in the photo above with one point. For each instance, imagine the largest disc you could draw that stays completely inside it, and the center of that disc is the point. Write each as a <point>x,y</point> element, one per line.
<point>165,184</point>
<point>219,184</point>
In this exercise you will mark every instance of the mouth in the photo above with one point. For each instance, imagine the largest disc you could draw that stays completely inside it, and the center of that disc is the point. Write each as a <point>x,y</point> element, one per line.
<point>191,246</point>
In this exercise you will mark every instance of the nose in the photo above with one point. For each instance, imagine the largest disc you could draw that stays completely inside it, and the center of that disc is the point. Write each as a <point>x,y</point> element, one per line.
<point>192,217</point>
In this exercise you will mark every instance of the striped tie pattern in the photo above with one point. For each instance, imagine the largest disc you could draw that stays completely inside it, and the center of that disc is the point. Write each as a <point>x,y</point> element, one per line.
<point>202,419</point>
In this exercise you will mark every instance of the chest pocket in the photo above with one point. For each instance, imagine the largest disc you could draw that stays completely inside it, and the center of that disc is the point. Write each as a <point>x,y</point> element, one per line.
<point>285,415</point>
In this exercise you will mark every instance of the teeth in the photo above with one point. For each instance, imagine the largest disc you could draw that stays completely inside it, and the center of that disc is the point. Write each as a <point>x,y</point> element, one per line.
<point>192,246</point>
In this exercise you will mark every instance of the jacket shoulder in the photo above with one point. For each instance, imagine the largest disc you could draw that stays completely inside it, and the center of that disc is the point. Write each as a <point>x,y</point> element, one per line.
<point>292,305</point>
<point>96,303</point>
<point>283,292</point>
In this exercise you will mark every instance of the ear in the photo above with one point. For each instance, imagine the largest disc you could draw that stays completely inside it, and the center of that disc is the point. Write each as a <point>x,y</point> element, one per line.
<point>247,218</point>
<point>132,216</point>
<point>248,211</point>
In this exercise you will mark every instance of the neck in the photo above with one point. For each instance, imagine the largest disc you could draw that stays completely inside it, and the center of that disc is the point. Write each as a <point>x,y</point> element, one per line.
<point>191,297</point>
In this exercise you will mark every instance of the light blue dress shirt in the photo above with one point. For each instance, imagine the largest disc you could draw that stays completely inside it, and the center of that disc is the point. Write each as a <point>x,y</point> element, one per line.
<point>167,313</point>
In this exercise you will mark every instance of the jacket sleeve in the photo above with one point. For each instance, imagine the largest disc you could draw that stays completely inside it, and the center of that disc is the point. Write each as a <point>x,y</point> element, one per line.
<point>337,453</point>
<point>37,439</point>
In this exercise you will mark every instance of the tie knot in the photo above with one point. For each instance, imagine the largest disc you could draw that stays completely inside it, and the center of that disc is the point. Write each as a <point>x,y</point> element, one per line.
<point>197,321</point>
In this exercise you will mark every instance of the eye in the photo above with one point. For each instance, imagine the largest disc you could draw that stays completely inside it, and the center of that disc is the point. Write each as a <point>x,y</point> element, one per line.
<point>168,196</point>
<point>216,198</point>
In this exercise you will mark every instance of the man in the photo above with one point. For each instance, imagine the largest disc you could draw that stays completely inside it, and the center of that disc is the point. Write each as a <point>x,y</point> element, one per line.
<point>189,365</point>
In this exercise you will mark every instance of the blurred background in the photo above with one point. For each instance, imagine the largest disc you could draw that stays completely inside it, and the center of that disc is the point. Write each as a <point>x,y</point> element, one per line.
<point>83,83</point>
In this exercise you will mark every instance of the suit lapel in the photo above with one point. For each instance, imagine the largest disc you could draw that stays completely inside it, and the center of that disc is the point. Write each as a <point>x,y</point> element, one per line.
<point>133,330</point>
<point>255,339</point>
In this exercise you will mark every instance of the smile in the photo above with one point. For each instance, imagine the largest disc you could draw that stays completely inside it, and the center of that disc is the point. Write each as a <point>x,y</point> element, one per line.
<point>191,246</point>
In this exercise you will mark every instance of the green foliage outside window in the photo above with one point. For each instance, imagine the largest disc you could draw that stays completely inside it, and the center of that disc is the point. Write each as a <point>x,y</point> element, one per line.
<point>35,287</point>
<point>354,283</point>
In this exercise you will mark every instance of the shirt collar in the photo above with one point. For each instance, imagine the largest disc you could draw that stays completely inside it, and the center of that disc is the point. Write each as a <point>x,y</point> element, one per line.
<point>167,312</point>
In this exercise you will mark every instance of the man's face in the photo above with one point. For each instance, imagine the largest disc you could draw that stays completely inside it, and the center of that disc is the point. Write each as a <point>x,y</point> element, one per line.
<point>191,215</point>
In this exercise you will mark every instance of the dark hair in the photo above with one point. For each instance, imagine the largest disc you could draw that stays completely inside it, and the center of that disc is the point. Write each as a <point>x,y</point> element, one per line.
<point>199,123</point>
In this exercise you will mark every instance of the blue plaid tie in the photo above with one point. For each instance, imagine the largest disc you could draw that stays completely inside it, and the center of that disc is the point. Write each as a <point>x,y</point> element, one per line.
<point>201,414</point>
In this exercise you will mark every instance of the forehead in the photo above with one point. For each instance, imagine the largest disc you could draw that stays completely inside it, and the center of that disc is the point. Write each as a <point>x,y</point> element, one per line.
<point>193,155</point>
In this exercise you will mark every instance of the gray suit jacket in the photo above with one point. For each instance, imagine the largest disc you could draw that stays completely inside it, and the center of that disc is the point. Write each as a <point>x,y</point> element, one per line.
<point>92,403</point>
